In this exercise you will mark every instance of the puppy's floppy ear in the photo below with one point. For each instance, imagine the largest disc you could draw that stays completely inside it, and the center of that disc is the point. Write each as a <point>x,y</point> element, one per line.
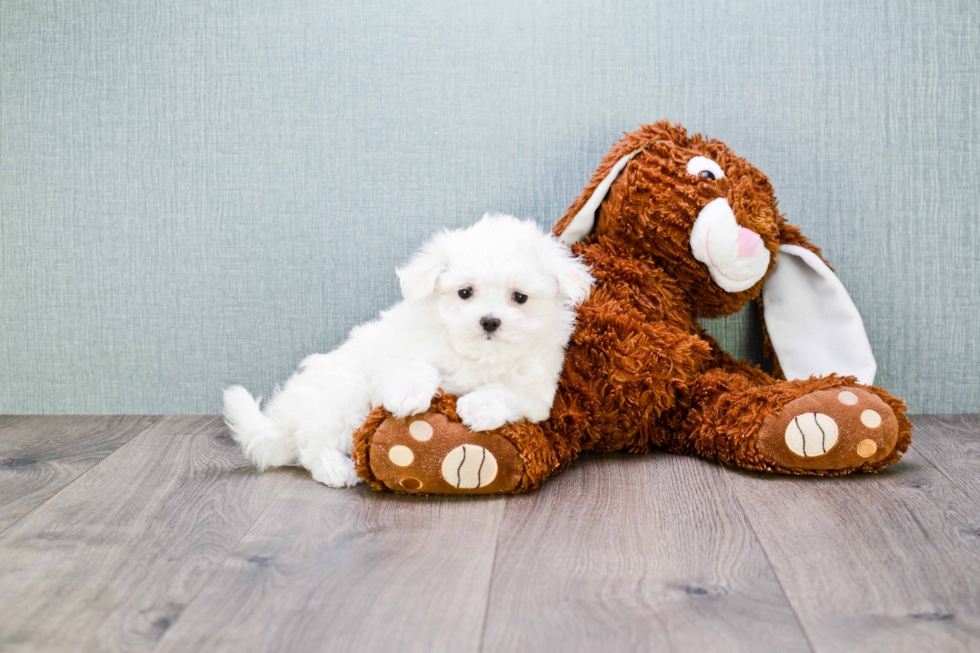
<point>573,277</point>
<point>812,324</point>
<point>419,276</point>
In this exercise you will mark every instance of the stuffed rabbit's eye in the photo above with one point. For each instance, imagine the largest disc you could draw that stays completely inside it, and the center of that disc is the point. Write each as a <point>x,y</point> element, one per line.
<point>702,166</point>
<point>520,298</point>
<point>465,293</point>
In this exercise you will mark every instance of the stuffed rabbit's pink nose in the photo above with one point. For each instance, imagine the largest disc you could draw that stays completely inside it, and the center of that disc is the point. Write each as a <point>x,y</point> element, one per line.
<point>749,242</point>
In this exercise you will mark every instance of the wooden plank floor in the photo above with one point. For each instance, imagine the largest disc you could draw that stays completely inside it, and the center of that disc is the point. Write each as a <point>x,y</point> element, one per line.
<point>154,534</point>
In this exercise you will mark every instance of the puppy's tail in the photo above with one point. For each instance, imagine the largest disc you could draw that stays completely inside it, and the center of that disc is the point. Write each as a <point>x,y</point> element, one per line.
<point>265,441</point>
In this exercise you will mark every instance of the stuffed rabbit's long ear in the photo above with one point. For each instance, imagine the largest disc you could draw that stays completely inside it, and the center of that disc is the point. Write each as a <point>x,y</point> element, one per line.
<point>584,221</point>
<point>813,325</point>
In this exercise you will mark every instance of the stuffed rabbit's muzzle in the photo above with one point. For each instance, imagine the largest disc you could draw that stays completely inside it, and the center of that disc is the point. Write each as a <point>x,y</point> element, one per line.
<point>736,257</point>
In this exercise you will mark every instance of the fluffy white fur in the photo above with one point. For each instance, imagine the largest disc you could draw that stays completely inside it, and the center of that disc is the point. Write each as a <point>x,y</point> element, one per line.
<point>433,339</point>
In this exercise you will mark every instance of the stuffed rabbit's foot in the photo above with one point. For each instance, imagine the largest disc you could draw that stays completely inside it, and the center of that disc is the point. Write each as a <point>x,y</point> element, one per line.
<point>839,429</point>
<point>429,454</point>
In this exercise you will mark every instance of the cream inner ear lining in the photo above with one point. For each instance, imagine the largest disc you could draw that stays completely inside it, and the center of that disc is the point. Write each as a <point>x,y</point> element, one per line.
<point>582,224</point>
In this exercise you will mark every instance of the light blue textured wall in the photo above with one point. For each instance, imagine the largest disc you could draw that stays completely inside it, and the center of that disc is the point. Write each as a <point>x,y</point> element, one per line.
<point>199,193</point>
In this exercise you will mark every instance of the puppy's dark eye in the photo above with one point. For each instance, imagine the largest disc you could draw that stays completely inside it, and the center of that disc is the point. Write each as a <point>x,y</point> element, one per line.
<point>466,293</point>
<point>520,298</point>
<point>707,174</point>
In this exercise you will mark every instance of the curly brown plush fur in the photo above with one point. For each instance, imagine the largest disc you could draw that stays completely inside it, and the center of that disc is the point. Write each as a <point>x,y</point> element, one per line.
<point>640,373</point>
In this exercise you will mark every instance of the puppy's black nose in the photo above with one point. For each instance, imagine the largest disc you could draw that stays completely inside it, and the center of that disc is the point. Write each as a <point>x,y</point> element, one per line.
<point>489,323</point>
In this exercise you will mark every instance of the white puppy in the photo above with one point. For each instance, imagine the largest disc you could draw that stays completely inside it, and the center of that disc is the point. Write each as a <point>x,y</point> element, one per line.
<point>487,314</point>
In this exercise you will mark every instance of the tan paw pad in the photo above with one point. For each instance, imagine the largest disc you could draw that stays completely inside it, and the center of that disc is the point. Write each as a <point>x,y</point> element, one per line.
<point>420,430</point>
<point>867,448</point>
<point>401,455</point>
<point>871,419</point>
<point>411,484</point>
<point>811,434</point>
<point>469,466</point>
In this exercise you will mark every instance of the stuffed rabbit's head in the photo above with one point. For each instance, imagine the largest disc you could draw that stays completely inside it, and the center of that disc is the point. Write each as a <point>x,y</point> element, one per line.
<point>709,220</point>
<point>708,217</point>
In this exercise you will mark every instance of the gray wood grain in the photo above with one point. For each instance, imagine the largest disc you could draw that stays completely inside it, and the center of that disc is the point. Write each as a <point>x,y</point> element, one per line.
<point>629,553</point>
<point>111,561</point>
<point>41,455</point>
<point>952,444</point>
<point>170,542</point>
<point>886,562</point>
<point>350,570</point>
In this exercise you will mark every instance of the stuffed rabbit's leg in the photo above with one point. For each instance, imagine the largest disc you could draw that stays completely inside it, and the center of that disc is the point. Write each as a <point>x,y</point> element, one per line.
<point>433,453</point>
<point>827,426</point>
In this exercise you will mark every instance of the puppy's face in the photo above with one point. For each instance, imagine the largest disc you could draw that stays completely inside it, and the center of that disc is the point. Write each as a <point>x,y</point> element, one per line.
<point>489,301</point>
<point>500,288</point>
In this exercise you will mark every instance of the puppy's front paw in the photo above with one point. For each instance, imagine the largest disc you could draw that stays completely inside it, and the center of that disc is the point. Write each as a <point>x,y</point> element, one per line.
<point>333,468</point>
<point>409,390</point>
<point>482,411</point>
<point>405,401</point>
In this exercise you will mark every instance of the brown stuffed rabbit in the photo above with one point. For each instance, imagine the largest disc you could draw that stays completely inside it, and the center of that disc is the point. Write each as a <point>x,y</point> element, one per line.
<point>675,228</point>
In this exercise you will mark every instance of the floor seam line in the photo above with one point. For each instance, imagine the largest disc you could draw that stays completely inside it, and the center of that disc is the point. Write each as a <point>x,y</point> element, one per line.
<point>156,420</point>
<point>939,468</point>
<point>775,572</point>
<point>220,563</point>
<point>493,571</point>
